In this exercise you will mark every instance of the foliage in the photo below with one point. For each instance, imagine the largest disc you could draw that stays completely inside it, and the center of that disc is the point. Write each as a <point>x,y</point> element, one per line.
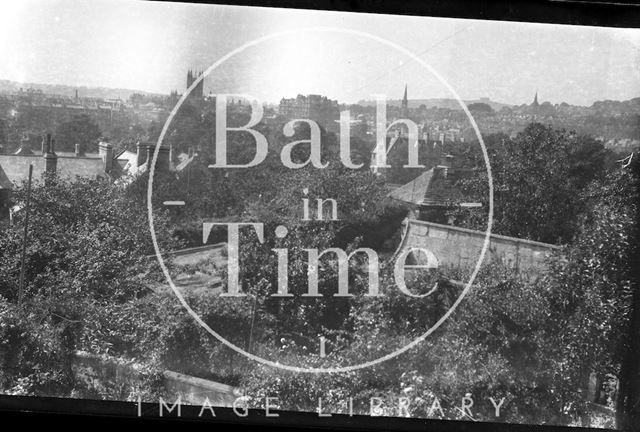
<point>538,179</point>
<point>86,246</point>
<point>90,285</point>
<point>590,284</point>
<point>34,351</point>
<point>81,129</point>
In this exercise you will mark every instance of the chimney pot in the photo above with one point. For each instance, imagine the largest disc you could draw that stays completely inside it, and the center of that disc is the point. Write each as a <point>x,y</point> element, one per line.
<point>78,150</point>
<point>105,150</point>
<point>50,157</point>
<point>142,151</point>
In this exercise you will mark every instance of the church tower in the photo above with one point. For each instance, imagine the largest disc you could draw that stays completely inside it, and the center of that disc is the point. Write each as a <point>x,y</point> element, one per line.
<point>198,92</point>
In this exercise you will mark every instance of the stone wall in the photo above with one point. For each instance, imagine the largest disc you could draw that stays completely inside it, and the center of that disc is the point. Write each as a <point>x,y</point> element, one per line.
<point>460,247</point>
<point>103,372</point>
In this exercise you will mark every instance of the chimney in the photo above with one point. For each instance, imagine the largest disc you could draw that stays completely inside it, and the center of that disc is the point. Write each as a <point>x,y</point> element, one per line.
<point>105,151</point>
<point>143,152</point>
<point>446,160</point>
<point>79,150</point>
<point>145,155</point>
<point>50,157</point>
<point>163,162</point>
<point>445,164</point>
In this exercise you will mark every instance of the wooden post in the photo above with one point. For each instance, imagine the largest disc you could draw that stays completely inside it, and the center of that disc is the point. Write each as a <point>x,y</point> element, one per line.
<point>24,239</point>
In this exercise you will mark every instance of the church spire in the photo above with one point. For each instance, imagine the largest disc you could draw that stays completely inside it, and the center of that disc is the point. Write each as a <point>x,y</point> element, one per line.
<point>535,99</point>
<point>405,103</point>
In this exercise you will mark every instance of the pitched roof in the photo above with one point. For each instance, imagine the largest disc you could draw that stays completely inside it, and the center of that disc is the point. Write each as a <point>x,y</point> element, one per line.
<point>432,187</point>
<point>414,191</point>
<point>80,166</point>
<point>14,169</point>
<point>5,183</point>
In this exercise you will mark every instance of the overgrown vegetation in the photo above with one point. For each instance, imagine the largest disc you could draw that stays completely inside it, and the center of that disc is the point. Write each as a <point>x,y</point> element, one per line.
<point>532,342</point>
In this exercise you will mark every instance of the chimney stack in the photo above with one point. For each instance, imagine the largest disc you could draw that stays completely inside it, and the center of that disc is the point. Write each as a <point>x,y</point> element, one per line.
<point>444,167</point>
<point>79,150</point>
<point>447,160</point>
<point>105,151</point>
<point>145,155</point>
<point>142,151</point>
<point>50,157</point>
<point>163,163</point>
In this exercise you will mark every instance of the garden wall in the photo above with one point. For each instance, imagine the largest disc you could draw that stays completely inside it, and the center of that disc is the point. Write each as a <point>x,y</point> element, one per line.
<point>460,247</point>
<point>104,374</point>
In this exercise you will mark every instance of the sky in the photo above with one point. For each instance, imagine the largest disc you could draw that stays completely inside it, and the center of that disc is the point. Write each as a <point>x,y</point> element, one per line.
<point>149,46</point>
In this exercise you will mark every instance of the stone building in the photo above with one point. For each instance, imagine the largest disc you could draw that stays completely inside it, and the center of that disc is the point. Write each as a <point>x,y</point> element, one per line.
<point>318,108</point>
<point>14,168</point>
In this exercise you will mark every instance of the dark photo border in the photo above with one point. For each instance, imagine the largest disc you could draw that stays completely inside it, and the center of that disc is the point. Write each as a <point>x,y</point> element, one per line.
<point>53,412</point>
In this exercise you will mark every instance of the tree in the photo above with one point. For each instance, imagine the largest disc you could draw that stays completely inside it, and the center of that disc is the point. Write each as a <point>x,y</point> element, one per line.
<point>538,178</point>
<point>87,250</point>
<point>628,406</point>
<point>81,129</point>
<point>480,107</point>
<point>590,289</point>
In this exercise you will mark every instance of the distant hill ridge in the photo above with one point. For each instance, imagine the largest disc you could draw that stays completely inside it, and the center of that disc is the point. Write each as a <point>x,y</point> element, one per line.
<point>70,91</point>
<point>440,103</point>
<point>602,105</point>
<point>7,86</point>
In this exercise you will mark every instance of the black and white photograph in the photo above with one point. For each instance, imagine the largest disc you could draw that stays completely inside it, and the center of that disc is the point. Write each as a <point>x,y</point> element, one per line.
<point>271,211</point>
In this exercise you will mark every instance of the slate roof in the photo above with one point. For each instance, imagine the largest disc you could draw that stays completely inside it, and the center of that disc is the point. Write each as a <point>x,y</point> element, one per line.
<point>414,191</point>
<point>432,188</point>
<point>14,169</point>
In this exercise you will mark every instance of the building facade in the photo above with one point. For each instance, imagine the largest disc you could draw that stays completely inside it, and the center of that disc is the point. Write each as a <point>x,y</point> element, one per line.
<point>320,109</point>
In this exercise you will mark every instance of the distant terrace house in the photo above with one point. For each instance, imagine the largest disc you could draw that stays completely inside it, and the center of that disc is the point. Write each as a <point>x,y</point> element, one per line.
<point>14,168</point>
<point>430,148</point>
<point>322,110</point>
<point>429,197</point>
